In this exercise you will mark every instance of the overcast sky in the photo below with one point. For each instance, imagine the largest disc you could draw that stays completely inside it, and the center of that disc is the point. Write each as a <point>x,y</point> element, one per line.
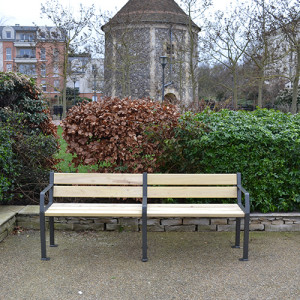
<point>25,12</point>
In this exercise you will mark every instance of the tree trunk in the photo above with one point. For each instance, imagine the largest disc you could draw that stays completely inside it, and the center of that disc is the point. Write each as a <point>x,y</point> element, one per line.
<point>260,92</point>
<point>295,84</point>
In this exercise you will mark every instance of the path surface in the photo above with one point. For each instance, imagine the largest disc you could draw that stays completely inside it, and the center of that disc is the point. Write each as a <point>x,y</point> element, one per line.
<point>106,265</point>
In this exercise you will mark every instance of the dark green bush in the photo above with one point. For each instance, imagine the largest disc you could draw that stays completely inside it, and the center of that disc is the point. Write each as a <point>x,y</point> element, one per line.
<point>28,140</point>
<point>263,145</point>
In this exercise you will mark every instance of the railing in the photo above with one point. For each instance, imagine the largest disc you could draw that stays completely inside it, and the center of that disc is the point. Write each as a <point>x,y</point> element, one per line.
<point>25,56</point>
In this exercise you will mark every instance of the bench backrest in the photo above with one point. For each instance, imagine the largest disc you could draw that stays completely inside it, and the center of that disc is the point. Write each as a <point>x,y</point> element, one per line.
<point>104,185</point>
<point>98,185</point>
<point>192,185</point>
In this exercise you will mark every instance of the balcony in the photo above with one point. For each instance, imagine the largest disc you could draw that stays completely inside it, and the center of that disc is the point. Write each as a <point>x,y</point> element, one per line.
<point>24,43</point>
<point>25,59</point>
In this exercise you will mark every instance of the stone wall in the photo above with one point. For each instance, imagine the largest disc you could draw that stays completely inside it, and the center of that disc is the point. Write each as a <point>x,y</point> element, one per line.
<point>27,217</point>
<point>6,228</point>
<point>258,222</point>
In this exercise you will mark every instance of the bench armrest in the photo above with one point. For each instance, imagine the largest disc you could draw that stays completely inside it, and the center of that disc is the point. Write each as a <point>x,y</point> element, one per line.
<point>42,197</point>
<point>247,198</point>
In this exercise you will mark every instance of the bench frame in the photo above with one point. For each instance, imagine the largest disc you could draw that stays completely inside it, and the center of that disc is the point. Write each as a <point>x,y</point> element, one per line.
<point>240,191</point>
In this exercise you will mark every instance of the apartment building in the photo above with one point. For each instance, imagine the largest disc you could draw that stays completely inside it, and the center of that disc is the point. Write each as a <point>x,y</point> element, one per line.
<point>35,51</point>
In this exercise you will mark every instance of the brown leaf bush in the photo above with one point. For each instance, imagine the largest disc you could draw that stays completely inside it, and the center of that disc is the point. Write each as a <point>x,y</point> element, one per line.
<point>119,135</point>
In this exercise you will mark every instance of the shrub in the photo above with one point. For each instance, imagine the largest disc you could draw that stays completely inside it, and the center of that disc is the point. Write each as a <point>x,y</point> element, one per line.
<point>28,140</point>
<point>117,134</point>
<point>263,145</point>
<point>9,170</point>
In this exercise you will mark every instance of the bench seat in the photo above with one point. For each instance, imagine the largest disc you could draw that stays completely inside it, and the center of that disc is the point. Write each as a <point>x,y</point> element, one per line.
<point>94,210</point>
<point>194,210</point>
<point>135,210</point>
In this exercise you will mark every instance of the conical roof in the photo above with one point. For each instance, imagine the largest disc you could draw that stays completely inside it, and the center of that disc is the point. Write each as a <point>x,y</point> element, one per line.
<point>152,11</point>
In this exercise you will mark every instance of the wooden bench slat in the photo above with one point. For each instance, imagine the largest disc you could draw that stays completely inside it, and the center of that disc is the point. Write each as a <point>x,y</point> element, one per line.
<point>98,191</point>
<point>195,210</point>
<point>192,192</point>
<point>192,179</point>
<point>98,178</point>
<point>94,210</point>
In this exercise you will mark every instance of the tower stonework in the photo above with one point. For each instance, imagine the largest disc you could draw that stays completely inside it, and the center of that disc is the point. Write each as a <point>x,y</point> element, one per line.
<point>136,37</point>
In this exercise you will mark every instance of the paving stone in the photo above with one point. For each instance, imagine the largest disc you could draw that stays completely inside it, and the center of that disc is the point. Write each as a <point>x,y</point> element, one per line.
<point>91,226</point>
<point>277,222</point>
<point>112,227</point>
<point>195,221</point>
<point>30,210</point>
<point>106,220</point>
<point>205,228</point>
<point>153,228</point>
<point>29,225</point>
<point>171,222</point>
<point>183,228</point>
<point>256,227</point>
<point>151,221</point>
<point>226,228</point>
<point>8,224</point>
<point>63,226</point>
<point>222,221</point>
<point>284,227</point>
<point>3,235</point>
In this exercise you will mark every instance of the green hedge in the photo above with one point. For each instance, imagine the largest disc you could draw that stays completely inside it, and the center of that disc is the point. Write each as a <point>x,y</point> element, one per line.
<point>27,140</point>
<point>263,145</point>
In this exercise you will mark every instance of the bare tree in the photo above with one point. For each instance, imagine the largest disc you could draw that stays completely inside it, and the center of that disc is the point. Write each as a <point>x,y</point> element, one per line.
<point>225,40</point>
<point>287,24</point>
<point>75,30</point>
<point>194,11</point>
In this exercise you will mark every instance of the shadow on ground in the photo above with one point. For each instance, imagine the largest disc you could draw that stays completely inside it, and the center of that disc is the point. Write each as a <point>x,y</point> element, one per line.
<point>107,265</point>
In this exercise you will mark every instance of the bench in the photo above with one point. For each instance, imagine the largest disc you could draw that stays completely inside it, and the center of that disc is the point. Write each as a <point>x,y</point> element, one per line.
<point>144,186</point>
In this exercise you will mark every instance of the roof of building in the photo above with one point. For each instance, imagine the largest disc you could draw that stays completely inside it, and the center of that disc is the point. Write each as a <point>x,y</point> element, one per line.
<point>151,11</point>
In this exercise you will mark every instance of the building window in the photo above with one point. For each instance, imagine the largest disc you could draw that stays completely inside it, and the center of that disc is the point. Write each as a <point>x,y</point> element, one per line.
<point>55,54</point>
<point>28,69</point>
<point>43,70</point>
<point>56,85</point>
<point>43,54</point>
<point>8,53</point>
<point>55,70</point>
<point>9,67</point>
<point>27,53</point>
<point>44,85</point>
<point>8,34</point>
<point>26,37</point>
<point>43,35</point>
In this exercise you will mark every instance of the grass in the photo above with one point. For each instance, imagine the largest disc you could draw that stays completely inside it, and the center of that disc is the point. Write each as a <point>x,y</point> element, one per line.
<point>66,165</point>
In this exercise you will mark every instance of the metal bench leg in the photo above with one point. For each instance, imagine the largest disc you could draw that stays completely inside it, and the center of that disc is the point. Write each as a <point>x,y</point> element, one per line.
<point>144,237</point>
<point>246,238</point>
<point>51,227</point>
<point>144,218</point>
<point>43,236</point>
<point>237,233</point>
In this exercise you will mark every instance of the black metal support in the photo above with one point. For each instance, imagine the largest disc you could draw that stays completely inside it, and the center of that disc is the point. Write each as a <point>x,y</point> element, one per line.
<point>43,236</point>
<point>51,229</point>
<point>144,219</point>
<point>237,233</point>
<point>238,220</point>
<point>246,238</point>
<point>49,189</point>
<point>246,224</point>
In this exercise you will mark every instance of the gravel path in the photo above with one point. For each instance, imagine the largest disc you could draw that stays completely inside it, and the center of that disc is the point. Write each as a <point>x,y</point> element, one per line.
<point>107,265</point>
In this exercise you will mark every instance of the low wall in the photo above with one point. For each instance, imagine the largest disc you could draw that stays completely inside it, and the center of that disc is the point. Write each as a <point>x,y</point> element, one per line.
<point>258,222</point>
<point>27,217</point>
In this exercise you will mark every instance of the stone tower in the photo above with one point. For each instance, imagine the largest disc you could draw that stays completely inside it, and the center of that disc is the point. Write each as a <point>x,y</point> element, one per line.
<point>136,37</point>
